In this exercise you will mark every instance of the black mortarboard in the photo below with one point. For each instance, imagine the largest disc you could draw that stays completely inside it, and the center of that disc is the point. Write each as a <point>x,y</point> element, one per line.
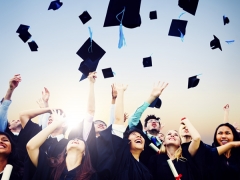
<point>22,28</point>
<point>86,67</point>
<point>156,103</point>
<point>147,62</point>
<point>193,82</point>
<point>131,18</point>
<point>88,52</point>
<point>225,20</point>
<point>23,32</point>
<point>153,15</point>
<point>54,5</point>
<point>107,73</point>
<point>85,17</point>
<point>215,43</point>
<point>177,27</point>
<point>25,36</point>
<point>188,5</point>
<point>33,45</point>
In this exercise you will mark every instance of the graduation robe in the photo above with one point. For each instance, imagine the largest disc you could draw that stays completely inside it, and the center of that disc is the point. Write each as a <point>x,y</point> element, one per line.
<point>112,157</point>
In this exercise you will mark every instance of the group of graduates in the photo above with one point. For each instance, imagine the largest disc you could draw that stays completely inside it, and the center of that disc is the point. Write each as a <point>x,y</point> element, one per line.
<point>95,150</point>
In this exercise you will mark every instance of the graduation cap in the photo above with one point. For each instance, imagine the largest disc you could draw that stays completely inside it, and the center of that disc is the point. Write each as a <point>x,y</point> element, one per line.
<point>85,17</point>
<point>225,20</point>
<point>215,43</point>
<point>33,45</point>
<point>23,32</point>
<point>193,81</point>
<point>22,28</point>
<point>86,67</point>
<point>54,5</point>
<point>178,28</point>
<point>91,51</point>
<point>153,15</point>
<point>147,62</point>
<point>131,19</point>
<point>107,73</point>
<point>188,5</point>
<point>156,103</point>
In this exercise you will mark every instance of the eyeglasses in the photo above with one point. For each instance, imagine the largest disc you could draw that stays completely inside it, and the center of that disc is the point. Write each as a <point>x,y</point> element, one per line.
<point>153,120</point>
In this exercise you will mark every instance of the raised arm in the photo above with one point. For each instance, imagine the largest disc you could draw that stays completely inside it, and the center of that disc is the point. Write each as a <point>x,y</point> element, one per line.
<point>112,112</point>
<point>156,92</point>
<point>224,148</point>
<point>87,124</point>
<point>119,111</point>
<point>226,114</point>
<point>6,101</point>
<point>34,144</point>
<point>43,103</point>
<point>32,113</point>
<point>196,138</point>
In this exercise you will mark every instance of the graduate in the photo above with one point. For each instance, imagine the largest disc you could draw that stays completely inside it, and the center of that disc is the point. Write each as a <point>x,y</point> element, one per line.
<point>73,163</point>
<point>8,155</point>
<point>180,155</point>
<point>117,153</point>
<point>12,127</point>
<point>152,124</point>
<point>222,161</point>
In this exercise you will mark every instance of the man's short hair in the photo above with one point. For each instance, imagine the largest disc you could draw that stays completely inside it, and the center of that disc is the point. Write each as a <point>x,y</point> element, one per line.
<point>151,116</point>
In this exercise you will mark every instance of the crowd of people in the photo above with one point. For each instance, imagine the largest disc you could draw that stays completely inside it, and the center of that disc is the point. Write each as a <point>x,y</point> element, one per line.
<point>96,150</point>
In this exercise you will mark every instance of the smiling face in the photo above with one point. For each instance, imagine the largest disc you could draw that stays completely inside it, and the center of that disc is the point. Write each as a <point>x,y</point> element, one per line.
<point>76,144</point>
<point>224,135</point>
<point>5,145</point>
<point>99,126</point>
<point>172,138</point>
<point>137,141</point>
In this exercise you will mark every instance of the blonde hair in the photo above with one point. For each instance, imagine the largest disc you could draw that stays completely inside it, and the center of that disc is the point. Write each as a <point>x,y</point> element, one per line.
<point>178,152</point>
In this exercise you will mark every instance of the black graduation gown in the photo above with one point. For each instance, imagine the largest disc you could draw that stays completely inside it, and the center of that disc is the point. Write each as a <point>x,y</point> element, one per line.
<point>112,159</point>
<point>43,170</point>
<point>215,167</point>
<point>51,146</point>
<point>160,169</point>
<point>148,151</point>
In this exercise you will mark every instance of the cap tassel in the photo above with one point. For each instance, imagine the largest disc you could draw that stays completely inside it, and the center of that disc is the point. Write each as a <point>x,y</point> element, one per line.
<point>181,35</point>
<point>90,32</point>
<point>230,41</point>
<point>121,35</point>
<point>181,15</point>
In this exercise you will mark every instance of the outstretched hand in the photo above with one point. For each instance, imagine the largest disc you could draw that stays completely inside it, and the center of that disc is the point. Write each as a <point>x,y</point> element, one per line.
<point>58,116</point>
<point>45,95</point>
<point>13,83</point>
<point>125,116</point>
<point>158,89</point>
<point>92,77</point>
<point>226,107</point>
<point>114,92</point>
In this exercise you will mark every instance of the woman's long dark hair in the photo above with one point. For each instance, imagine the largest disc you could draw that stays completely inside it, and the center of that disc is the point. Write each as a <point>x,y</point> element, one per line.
<point>59,164</point>
<point>14,160</point>
<point>235,137</point>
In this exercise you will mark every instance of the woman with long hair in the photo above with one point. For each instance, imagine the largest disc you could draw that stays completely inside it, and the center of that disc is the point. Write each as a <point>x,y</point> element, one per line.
<point>181,156</point>
<point>73,163</point>
<point>9,155</point>
<point>223,161</point>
